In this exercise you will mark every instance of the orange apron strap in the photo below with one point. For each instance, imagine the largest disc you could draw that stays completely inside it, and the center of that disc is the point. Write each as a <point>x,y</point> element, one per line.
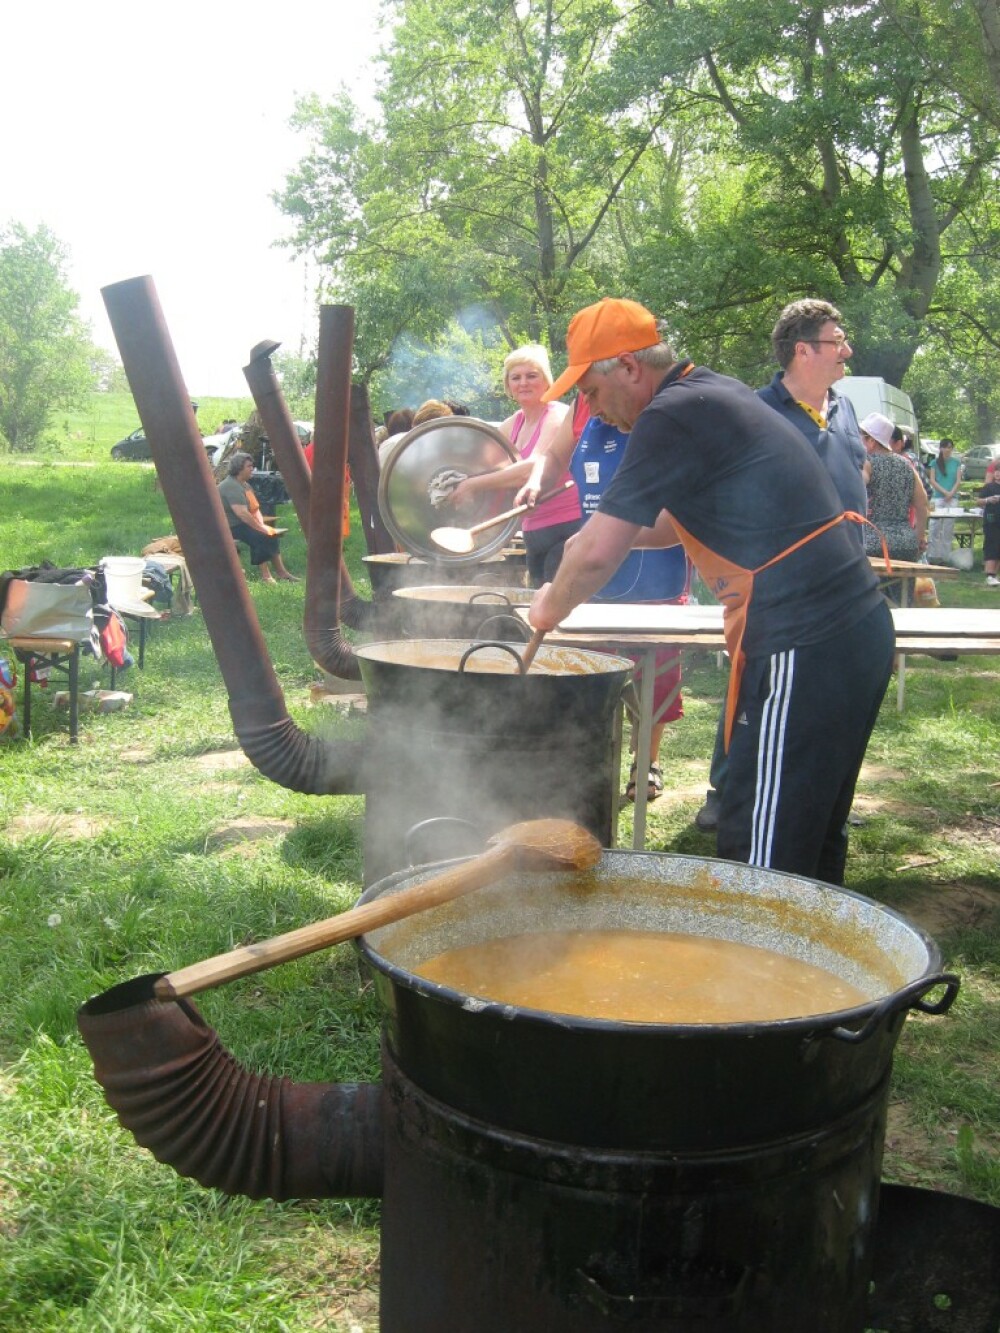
<point>851,517</point>
<point>739,583</point>
<point>736,658</point>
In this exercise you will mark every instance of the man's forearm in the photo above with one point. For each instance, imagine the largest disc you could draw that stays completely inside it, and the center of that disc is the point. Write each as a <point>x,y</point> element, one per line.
<point>589,560</point>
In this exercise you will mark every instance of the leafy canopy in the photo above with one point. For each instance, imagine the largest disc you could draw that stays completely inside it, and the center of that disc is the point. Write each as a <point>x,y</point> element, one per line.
<point>713,158</point>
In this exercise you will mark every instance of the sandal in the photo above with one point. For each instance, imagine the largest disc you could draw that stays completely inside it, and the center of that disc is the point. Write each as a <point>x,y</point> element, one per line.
<point>654,783</point>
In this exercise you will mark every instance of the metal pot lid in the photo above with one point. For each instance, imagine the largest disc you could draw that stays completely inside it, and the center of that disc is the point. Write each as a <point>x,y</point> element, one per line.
<point>417,475</point>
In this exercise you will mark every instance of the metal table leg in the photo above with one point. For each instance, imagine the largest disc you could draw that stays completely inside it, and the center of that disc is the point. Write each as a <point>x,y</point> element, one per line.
<point>74,694</point>
<point>28,664</point>
<point>643,738</point>
<point>904,587</point>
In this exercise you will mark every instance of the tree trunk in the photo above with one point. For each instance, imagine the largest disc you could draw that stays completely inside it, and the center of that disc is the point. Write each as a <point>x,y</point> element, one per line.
<point>989,19</point>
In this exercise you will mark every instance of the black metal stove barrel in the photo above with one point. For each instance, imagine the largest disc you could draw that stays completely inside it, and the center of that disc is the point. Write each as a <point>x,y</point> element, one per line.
<point>541,1236</point>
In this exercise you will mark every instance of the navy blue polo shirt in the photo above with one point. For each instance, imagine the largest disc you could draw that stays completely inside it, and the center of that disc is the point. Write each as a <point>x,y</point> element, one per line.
<point>838,446</point>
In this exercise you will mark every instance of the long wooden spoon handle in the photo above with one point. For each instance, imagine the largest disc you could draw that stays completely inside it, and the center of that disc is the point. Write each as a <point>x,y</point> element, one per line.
<point>519,509</point>
<point>534,643</point>
<point>380,911</point>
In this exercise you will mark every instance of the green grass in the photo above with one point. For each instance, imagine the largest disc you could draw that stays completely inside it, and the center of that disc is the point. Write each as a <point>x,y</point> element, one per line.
<point>111,866</point>
<point>87,433</point>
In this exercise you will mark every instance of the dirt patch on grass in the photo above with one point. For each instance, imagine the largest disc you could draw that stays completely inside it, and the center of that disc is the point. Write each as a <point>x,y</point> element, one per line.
<point>136,756</point>
<point>220,761</point>
<point>44,823</point>
<point>336,1275</point>
<point>694,791</point>
<point>942,908</point>
<point>912,1155</point>
<point>238,836</point>
<point>880,773</point>
<point>868,803</point>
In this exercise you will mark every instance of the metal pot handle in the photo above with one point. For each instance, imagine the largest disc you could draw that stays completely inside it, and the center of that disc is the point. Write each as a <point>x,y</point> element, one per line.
<point>506,618</point>
<point>499,598</point>
<point>910,997</point>
<point>492,643</point>
<point>434,824</point>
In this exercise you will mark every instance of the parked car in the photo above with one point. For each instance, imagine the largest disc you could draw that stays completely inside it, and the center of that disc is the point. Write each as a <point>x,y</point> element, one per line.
<point>135,447</point>
<point>978,458</point>
<point>217,445</point>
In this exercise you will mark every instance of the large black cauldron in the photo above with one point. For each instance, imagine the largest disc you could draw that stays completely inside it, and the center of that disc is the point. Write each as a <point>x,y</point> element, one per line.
<point>566,1175</point>
<point>549,1174</point>
<point>398,569</point>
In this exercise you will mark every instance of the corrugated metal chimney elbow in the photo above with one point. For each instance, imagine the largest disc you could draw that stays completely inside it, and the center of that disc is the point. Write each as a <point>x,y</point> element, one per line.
<point>285,754</point>
<point>184,1097</point>
<point>272,742</point>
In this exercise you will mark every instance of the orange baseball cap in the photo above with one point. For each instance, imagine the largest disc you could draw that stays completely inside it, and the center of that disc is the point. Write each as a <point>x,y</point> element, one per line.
<point>598,332</point>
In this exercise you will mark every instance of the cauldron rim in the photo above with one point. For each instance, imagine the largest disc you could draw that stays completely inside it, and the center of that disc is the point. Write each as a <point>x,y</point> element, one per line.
<point>807,1025</point>
<point>380,651</point>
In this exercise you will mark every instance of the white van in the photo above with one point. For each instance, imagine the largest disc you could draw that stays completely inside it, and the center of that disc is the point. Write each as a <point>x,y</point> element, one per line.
<point>870,393</point>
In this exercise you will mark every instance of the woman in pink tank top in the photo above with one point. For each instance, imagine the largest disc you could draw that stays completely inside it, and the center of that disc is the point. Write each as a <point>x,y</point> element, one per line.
<point>526,376</point>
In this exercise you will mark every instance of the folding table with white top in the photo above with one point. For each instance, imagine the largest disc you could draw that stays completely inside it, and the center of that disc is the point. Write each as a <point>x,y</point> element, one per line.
<point>641,628</point>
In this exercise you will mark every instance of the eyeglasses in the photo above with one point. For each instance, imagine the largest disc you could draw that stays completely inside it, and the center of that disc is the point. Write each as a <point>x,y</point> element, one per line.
<point>829,342</point>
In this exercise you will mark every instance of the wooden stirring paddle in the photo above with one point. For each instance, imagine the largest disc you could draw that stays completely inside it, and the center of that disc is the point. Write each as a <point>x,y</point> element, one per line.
<point>536,844</point>
<point>534,643</point>
<point>459,540</point>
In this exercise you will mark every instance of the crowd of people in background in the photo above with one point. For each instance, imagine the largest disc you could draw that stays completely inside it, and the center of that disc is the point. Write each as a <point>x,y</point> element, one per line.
<point>659,467</point>
<point>878,476</point>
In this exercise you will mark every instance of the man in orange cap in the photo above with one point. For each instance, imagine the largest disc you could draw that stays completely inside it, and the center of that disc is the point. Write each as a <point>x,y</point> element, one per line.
<point>810,636</point>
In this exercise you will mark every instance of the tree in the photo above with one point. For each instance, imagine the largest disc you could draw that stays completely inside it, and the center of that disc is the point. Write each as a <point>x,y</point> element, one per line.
<point>107,373</point>
<point>488,182</point>
<point>45,350</point>
<point>849,149</point>
<point>296,374</point>
<point>988,14</point>
<point>713,158</point>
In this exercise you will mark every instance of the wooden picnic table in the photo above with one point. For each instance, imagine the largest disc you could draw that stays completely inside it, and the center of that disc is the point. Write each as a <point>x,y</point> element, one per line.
<point>904,573</point>
<point>63,657</point>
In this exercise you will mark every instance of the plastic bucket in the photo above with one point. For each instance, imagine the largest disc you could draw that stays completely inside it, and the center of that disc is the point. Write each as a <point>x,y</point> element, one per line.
<point>123,575</point>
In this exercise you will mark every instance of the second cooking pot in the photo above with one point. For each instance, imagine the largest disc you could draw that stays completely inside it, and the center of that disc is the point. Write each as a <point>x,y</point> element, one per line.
<point>462,611</point>
<point>457,733</point>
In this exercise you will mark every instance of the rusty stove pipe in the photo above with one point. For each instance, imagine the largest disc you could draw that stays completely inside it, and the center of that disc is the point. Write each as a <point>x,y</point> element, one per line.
<point>329,480</point>
<point>291,461</point>
<point>184,1097</point>
<point>279,428</point>
<point>268,736</point>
